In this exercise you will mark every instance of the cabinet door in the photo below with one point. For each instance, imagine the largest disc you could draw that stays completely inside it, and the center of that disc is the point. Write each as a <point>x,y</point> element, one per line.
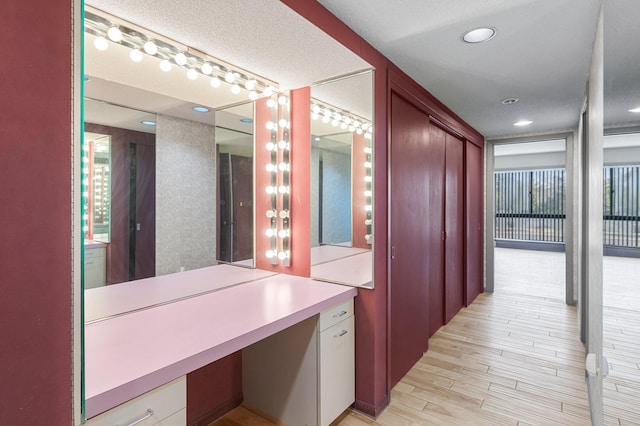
<point>337,370</point>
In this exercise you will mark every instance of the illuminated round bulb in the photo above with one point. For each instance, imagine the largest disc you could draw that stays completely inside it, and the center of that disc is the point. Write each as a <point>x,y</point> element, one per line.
<point>367,193</point>
<point>180,59</point>
<point>270,125</point>
<point>270,254</point>
<point>314,116</point>
<point>114,34</point>
<point>283,189</point>
<point>235,89</point>
<point>270,167</point>
<point>368,179</point>
<point>271,146</point>
<point>284,214</point>
<point>270,190</point>
<point>283,233</point>
<point>270,102</point>
<point>367,237</point>
<point>282,100</point>
<point>334,123</point>
<point>135,55</point>
<point>368,222</point>
<point>283,166</point>
<point>316,109</point>
<point>351,128</point>
<point>215,82</point>
<point>250,85</point>
<point>367,208</point>
<point>151,48</point>
<point>269,232</point>
<point>367,135</point>
<point>268,91</point>
<point>327,113</point>
<point>101,43</point>
<point>282,123</point>
<point>253,95</point>
<point>206,68</point>
<point>356,123</point>
<point>337,116</point>
<point>343,126</point>
<point>282,144</point>
<point>365,126</point>
<point>229,77</point>
<point>325,119</point>
<point>192,74</point>
<point>165,65</point>
<point>347,120</point>
<point>367,150</point>
<point>359,131</point>
<point>367,164</point>
<point>271,213</point>
<point>282,255</point>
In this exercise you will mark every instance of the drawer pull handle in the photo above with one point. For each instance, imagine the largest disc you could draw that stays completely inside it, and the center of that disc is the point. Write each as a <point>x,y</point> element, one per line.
<point>148,414</point>
<point>339,314</point>
<point>342,333</point>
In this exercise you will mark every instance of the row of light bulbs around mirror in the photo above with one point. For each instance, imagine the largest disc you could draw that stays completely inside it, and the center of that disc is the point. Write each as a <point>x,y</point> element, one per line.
<point>340,119</point>
<point>171,56</point>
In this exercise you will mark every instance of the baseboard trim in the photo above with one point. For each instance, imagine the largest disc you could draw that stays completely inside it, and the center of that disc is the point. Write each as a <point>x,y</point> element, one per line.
<point>219,411</point>
<point>371,410</point>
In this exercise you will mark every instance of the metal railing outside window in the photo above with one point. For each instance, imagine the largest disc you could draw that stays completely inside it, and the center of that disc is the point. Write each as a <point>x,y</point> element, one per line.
<point>529,205</point>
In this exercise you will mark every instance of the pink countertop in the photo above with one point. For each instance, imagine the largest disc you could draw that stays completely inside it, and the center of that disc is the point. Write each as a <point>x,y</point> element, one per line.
<point>129,355</point>
<point>355,270</point>
<point>111,300</point>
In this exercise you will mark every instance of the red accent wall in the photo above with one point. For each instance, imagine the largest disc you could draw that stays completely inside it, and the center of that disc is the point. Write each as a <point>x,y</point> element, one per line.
<point>35,213</point>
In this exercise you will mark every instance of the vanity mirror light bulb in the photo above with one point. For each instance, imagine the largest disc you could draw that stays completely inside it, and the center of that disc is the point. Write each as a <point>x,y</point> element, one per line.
<point>165,65</point>
<point>367,193</point>
<point>135,55</point>
<point>316,109</point>
<point>180,58</point>
<point>253,95</point>
<point>368,208</point>
<point>343,126</point>
<point>270,102</point>
<point>283,255</point>
<point>367,237</point>
<point>315,116</point>
<point>192,74</point>
<point>235,89</point>
<point>268,91</point>
<point>283,233</point>
<point>271,125</point>
<point>337,116</point>
<point>114,34</point>
<point>365,126</point>
<point>270,232</point>
<point>325,119</point>
<point>101,43</point>
<point>270,254</point>
<point>367,164</point>
<point>284,214</point>
<point>229,77</point>
<point>272,214</point>
<point>283,166</point>
<point>283,123</point>
<point>359,131</point>
<point>270,146</point>
<point>282,144</point>
<point>215,82</point>
<point>270,167</point>
<point>271,190</point>
<point>206,68</point>
<point>352,128</point>
<point>282,100</point>
<point>283,189</point>
<point>368,179</point>
<point>367,150</point>
<point>367,135</point>
<point>368,222</point>
<point>151,48</point>
<point>334,123</point>
<point>250,85</point>
<point>347,120</point>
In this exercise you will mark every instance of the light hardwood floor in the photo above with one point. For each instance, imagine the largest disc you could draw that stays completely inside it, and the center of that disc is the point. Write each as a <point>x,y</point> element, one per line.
<point>514,358</point>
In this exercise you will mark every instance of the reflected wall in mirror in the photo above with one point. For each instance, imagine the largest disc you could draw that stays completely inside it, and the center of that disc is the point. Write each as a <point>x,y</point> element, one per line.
<point>342,177</point>
<point>234,153</point>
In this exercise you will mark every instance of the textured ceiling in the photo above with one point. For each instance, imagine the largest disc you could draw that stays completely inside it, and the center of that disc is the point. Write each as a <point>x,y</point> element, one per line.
<point>540,55</point>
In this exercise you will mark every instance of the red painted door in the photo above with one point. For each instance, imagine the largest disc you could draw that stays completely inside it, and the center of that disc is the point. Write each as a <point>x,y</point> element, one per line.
<point>416,213</point>
<point>474,225</point>
<point>454,227</point>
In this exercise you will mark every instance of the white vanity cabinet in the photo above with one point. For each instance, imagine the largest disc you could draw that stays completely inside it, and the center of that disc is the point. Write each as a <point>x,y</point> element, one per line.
<point>165,406</point>
<point>305,374</point>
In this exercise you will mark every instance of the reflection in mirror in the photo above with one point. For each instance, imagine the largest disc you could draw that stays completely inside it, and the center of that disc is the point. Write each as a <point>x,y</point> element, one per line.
<point>341,179</point>
<point>234,151</point>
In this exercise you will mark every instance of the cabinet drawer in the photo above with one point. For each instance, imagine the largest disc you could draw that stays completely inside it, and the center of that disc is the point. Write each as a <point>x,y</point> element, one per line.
<point>334,315</point>
<point>165,401</point>
<point>337,370</point>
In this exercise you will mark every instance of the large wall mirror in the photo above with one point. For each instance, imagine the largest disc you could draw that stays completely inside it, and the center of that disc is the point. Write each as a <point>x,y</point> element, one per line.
<point>342,180</point>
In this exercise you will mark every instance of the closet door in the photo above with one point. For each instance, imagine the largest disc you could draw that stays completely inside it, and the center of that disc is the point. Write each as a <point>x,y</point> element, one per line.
<point>474,226</point>
<point>454,226</point>
<point>415,213</point>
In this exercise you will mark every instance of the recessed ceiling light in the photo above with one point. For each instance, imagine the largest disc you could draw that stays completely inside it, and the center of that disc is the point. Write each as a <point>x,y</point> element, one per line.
<point>247,120</point>
<point>509,101</point>
<point>522,123</point>
<point>148,123</point>
<point>200,109</point>
<point>635,110</point>
<point>479,35</point>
